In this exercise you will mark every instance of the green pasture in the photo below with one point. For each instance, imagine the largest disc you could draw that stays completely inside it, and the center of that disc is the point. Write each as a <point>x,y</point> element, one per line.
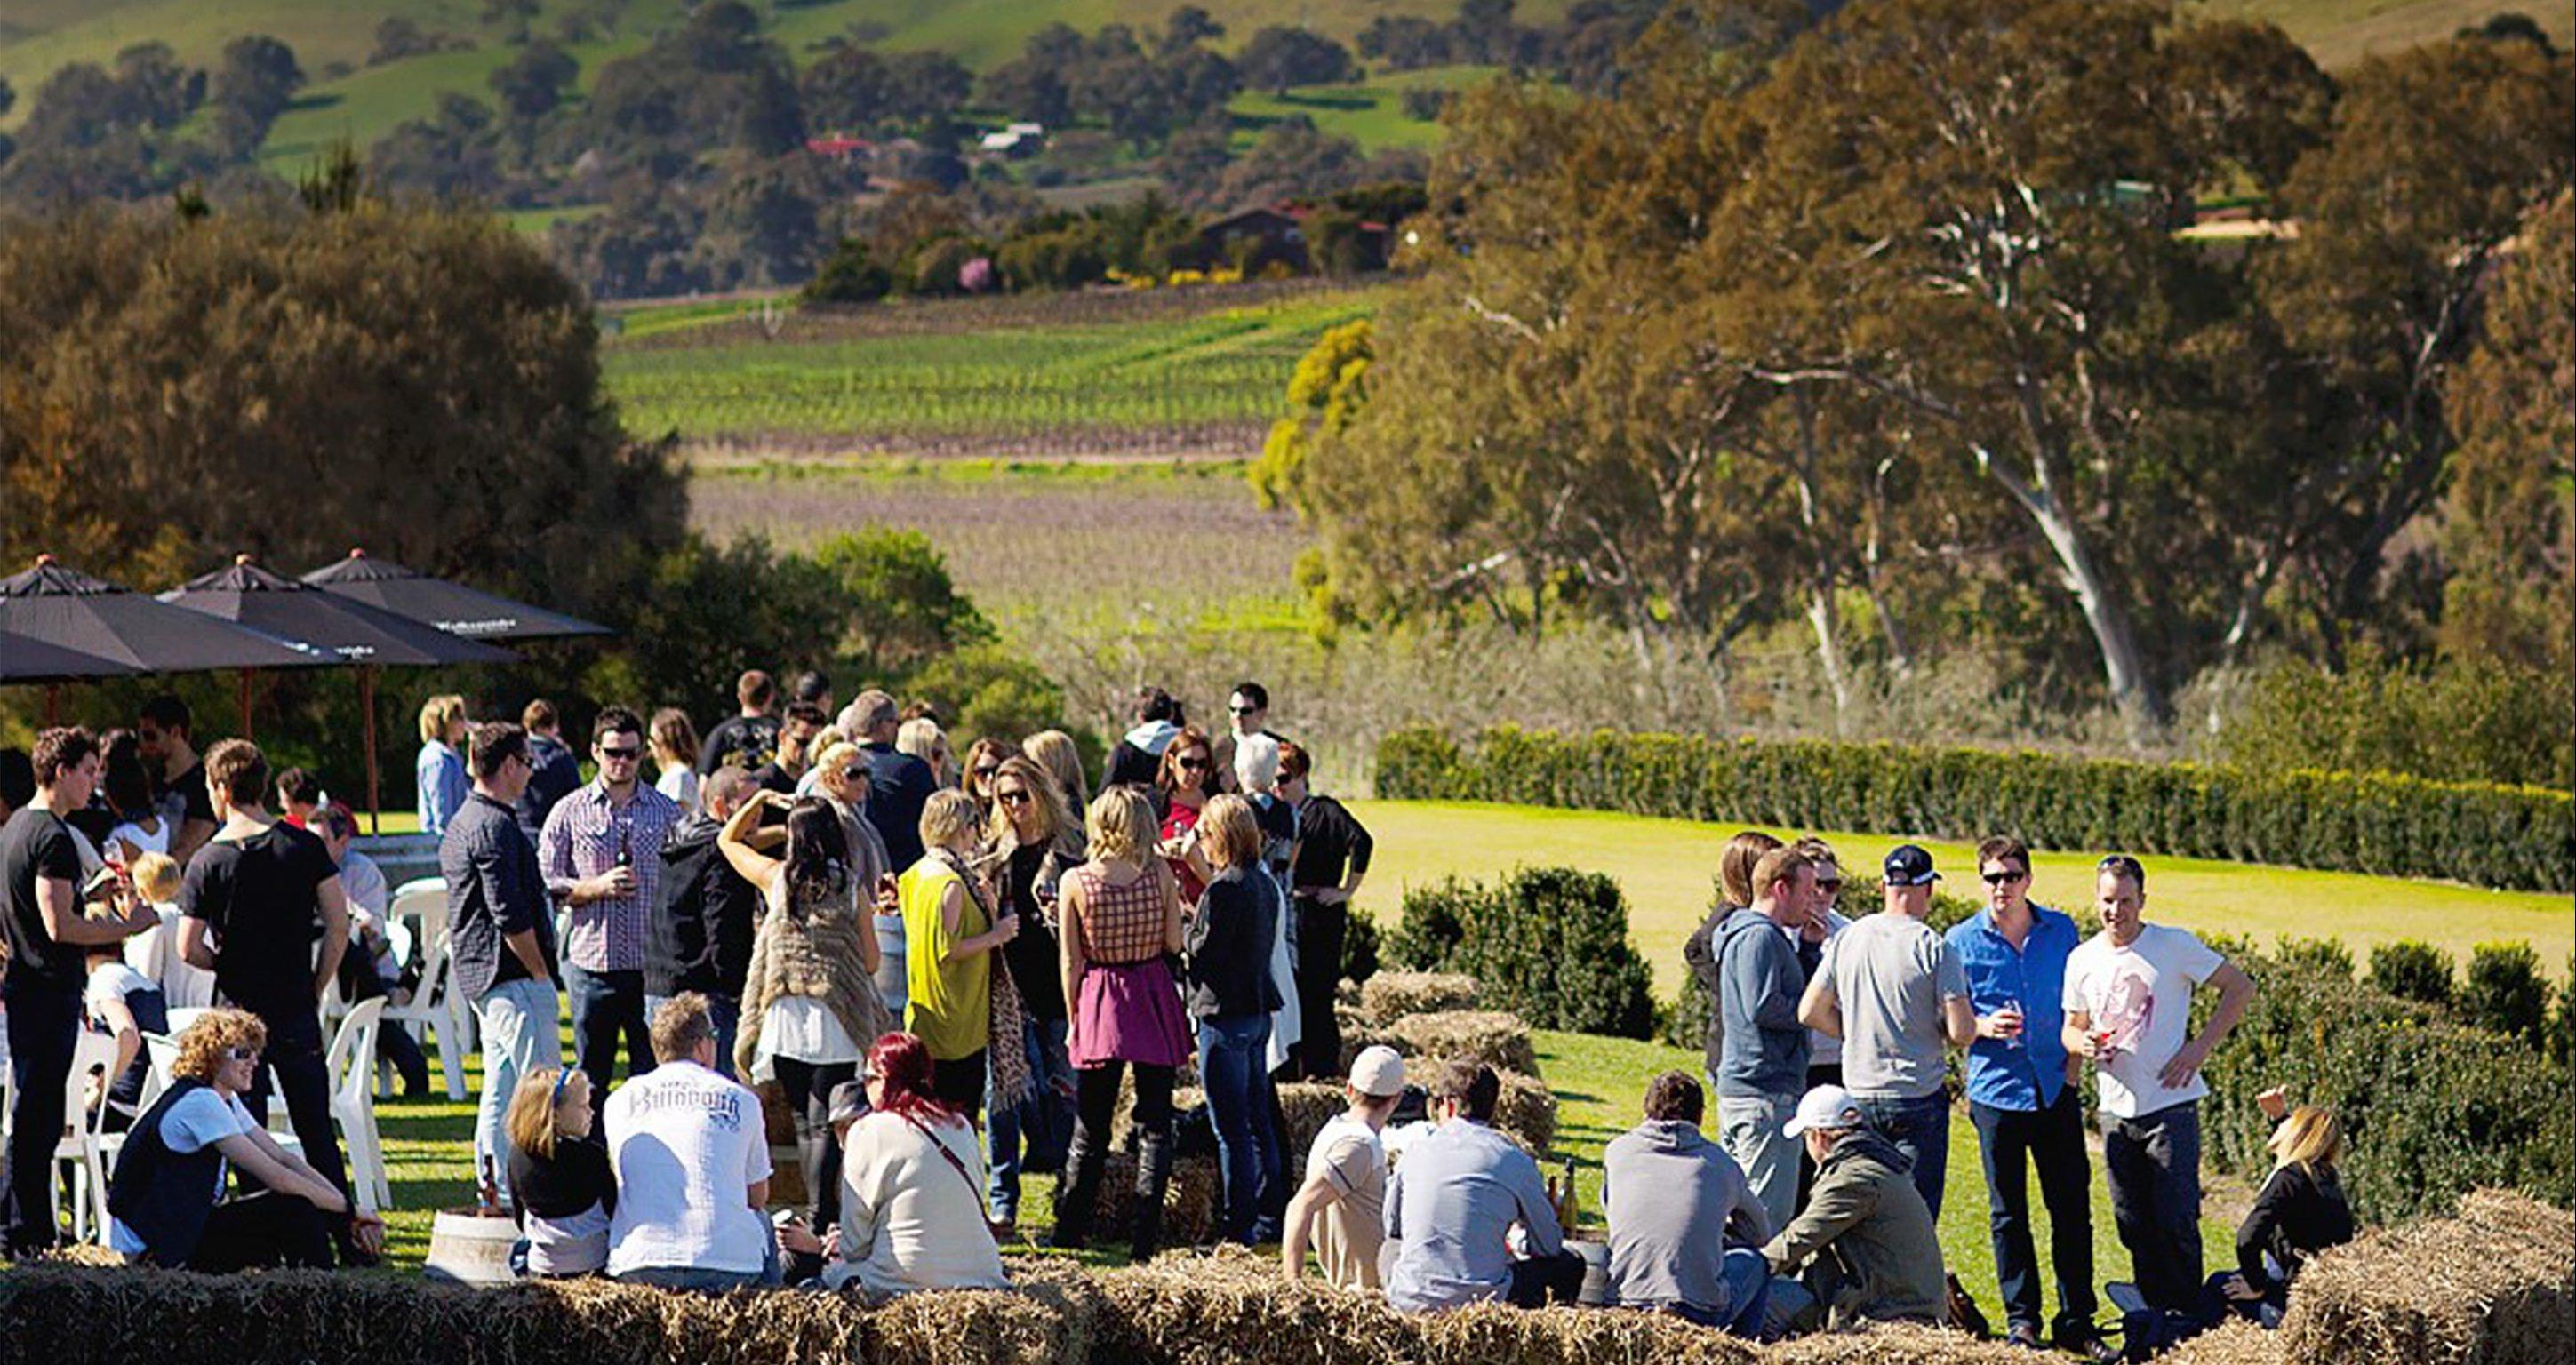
<point>1668,868</point>
<point>1369,112</point>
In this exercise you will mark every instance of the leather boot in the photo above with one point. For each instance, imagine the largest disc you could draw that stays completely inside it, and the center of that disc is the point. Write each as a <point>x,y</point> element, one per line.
<point>1077,1195</point>
<point>1153,1175</point>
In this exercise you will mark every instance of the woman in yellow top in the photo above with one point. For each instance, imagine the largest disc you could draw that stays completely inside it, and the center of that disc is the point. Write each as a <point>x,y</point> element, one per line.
<point>949,933</point>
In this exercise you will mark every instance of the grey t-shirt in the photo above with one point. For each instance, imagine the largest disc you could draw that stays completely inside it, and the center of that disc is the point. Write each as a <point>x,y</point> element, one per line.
<point>1890,974</point>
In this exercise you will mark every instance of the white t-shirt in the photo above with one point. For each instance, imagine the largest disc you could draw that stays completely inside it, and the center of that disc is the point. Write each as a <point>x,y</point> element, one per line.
<point>686,1144</point>
<point>111,982</point>
<point>156,951</point>
<point>681,785</point>
<point>1352,1229</point>
<point>193,1122</point>
<point>134,835</point>
<point>2141,995</point>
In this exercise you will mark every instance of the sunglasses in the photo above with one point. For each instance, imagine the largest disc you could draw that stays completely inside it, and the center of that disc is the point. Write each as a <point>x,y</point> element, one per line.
<point>854,774</point>
<point>609,755</point>
<point>2005,878</point>
<point>1829,884</point>
<point>985,772</point>
<point>1193,765</point>
<point>1245,710</point>
<point>241,1054</point>
<point>1013,797</point>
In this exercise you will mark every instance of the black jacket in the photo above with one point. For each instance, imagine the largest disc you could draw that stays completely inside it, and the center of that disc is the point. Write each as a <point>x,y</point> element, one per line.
<point>1700,951</point>
<point>700,935</point>
<point>1229,946</point>
<point>2298,1213</point>
<point>556,775</point>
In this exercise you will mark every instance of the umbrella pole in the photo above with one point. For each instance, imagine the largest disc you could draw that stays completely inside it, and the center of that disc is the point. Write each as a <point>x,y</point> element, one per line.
<point>53,705</point>
<point>367,703</point>
<point>245,703</point>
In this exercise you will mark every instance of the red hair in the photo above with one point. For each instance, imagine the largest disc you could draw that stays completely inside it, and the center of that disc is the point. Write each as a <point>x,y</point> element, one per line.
<point>901,1063</point>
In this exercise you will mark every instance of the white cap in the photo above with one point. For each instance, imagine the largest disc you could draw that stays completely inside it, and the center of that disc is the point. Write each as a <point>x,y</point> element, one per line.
<point>1826,1106</point>
<point>1378,1071</point>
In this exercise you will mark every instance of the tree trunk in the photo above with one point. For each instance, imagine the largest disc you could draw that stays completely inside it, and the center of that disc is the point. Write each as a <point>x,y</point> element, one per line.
<point>1822,615</point>
<point>2133,688</point>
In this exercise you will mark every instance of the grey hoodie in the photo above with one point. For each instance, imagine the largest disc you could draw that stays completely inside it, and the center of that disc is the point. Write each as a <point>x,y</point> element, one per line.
<point>1759,982</point>
<point>1671,1196</point>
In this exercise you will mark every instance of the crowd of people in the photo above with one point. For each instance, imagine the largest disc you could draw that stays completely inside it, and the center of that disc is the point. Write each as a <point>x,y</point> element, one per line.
<point>954,968</point>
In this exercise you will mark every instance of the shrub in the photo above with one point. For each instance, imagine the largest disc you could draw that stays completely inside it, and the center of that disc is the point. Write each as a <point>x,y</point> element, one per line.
<point>988,690</point>
<point>2323,954</point>
<point>2505,991</point>
<point>2412,970</point>
<point>2562,1037</point>
<point>2523,837</point>
<point>1683,1022</point>
<point>1550,943</point>
<point>851,274</point>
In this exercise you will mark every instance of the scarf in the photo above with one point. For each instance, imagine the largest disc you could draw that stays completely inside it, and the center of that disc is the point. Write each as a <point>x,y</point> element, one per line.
<point>1006,1053</point>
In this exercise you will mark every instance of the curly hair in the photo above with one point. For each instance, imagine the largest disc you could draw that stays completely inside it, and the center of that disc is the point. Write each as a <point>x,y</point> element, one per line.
<point>216,1032</point>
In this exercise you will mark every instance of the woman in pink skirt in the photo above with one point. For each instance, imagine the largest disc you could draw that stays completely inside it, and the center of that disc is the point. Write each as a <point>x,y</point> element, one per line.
<point>1121,924</point>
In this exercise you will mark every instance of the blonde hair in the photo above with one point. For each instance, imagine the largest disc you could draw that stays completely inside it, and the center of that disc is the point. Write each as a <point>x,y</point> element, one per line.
<point>948,815</point>
<point>1054,751</point>
<point>2311,1137</point>
<point>156,875</point>
<point>437,713</point>
<point>1119,825</point>
<point>217,1031</point>
<point>1055,814</point>
<point>531,1120</point>
<point>834,755</point>
<point>1735,865</point>
<point>1232,836</point>
<point>921,738</point>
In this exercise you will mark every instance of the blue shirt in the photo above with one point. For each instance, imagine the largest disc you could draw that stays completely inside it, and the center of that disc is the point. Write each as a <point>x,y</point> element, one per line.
<point>2029,1072</point>
<point>899,785</point>
<point>1449,1203</point>
<point>440,786</point>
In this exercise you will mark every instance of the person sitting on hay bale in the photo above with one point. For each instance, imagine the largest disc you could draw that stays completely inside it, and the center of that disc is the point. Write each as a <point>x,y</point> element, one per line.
<point>1343,1202</point>
<point>2300,1211</point>
<point>559,1175</point>
<point>1452,1204</point>
<point>912,1184</point>
<point>165,1203</point>
<point>1683,1219</point>
<point>1863,1250</point>
<point>682,1141</point>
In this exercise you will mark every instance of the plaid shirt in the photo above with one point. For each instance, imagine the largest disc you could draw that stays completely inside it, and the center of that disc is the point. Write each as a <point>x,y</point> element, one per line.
<point>584,834</point>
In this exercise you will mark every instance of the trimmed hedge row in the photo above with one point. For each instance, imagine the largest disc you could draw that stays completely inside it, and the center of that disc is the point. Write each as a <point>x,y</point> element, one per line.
<point>2519,837</point>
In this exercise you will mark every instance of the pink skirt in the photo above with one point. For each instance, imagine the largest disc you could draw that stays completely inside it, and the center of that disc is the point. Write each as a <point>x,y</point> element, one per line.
<point>1130,1012</point>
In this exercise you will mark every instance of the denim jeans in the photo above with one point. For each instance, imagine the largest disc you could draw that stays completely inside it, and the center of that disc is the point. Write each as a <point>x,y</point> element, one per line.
<point>1232,1051</point>
<point>725,1010</point>
<point>2154,1165</point>
<point>773,1271</point>
<point>520,1038</point>
<point>1749,1130</point>
<point>2012,1141</point>
<point>1747,1277</point>
<point>1920,1128</point>
<point>607,1006</point>
<point>1043,1120</point>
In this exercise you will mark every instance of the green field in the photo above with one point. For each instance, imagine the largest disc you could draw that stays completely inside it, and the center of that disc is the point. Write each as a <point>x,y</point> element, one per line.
<point>1668,868</point>
<point>1035,384</point>
<point>1370,113</point>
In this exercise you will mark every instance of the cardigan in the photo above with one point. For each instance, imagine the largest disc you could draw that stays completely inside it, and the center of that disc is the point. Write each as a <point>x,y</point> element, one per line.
<point>817,959</point>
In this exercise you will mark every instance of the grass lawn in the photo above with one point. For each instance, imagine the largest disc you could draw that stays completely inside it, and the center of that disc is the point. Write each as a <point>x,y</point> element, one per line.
<point>1668,867</point>
<point>1369,112</point>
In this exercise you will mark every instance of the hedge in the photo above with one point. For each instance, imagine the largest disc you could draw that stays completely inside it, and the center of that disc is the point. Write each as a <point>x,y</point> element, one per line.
<point>2518,837</point>
<point>1549,944</point>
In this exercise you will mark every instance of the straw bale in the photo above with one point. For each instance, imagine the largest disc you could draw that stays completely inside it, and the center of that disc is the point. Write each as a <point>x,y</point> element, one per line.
<point>985,1327</point>
<point>1500,1041</point>
<point>1527,1110</point>
<point>1358,1033</point>
<point>2234,1342</point>
<point>1230,1307</point>
<point>1895,1344</point>
<point>1189,1202</point>
<point>1390,996</point>
<point>1346,992</point>
<point>1304,1108</point>
<point>1489,1333</point>
<point>2495,1285</point>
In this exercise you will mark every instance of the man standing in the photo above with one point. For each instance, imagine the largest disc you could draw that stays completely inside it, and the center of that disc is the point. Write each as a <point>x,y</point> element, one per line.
<point>1333,851</point>
<point>1892,990</point>
<point>500,934</point>
<point>42,878</point>
<point>813,689</point>
<point>1247,712</point>
<point>2128,1008</point>
<point>1683,1221</point>
<point>558,769</point>
<point>1452,1203</point>
<point>602,856</point>
<point>899,785</point>
<point>745,741</point>
<point>1764,1069</point>
<point>795,752</point>
<point>1138,754</point>
<point>704,915</point>
<point>2023,1099</point>
<point>1864,1249</point>
<point>1342,1205</point>
<point>265,891</point>
<point>167,733</point>
<point>692,1164</point>
<point>368,969</point>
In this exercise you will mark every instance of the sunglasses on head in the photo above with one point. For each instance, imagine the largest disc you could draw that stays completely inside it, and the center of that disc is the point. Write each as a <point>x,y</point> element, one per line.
<point>2005,878</point>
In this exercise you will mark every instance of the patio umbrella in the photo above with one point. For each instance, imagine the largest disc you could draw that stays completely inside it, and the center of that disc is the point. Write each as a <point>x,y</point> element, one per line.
<point>452,607</point>
<point>358,634</point>
<point>26,659</point>
<point>69,609</point>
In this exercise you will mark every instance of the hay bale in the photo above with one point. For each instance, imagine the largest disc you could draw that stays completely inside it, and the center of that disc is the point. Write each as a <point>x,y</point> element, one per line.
<point>1486,1333</point>
<point>1190,1202</point>
<point>1358,1033</point>
<point>1500,1041</point>
<point>1896,1344</point>
<point>986,1327</point>
<point>2494,1285</point>
<point>1390,996</point>
<point>2234,1342</point>
<point>1304,1108</point>
<point>1527,1111</point>
<point>1230,1307</point>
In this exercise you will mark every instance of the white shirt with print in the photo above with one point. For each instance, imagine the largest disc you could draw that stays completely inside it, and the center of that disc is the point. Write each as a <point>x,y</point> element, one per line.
<point>2140,995</point>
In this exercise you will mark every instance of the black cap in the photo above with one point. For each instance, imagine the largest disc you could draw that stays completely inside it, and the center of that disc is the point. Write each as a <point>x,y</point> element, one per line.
<point>1909,865</point>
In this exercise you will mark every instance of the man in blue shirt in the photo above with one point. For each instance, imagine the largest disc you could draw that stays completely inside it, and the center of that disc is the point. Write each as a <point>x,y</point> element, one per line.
<point>2023,1100</point>
<point>1453,1200</point>
<point>899,785</point>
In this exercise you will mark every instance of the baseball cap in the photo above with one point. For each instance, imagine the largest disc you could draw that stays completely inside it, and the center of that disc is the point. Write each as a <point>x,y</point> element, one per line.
<point>1378,1071</point>
<point>849,1102</point>
<point>1826,1106</point>
<point>1909,865</point>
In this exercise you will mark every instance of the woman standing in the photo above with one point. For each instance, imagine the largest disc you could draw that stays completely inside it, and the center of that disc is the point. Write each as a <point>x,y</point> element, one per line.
<point>809,1011</point>
<point>1231,997</point>
<point>140,826</point>
<point>840,776</point>
<point>1035,841</point>
<point>950,932</point>
<point>922,738</point>
<point>675,757</point>
<point>1182,785</point>
<point>983,764</point>
<point>1121,919</point>
<point>439,783</point>
<point>1054,751</point>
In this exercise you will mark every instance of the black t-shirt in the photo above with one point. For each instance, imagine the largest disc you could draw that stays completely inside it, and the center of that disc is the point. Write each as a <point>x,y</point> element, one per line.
<point>1036,967</point>
<point>260,896</point>
<point>193,800</point>
<point>96,821</point>
<point>36,843</point>
<point>770,777</point>
<point>744,741</point>
<point>576,1177</point>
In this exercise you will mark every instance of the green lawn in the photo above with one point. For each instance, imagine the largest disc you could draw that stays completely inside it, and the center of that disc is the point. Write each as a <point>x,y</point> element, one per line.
<point>1668,867</point>
<point>1369,112</point>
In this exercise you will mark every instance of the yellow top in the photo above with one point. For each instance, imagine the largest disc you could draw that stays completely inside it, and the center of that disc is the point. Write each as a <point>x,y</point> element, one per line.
<point>951,1004</point>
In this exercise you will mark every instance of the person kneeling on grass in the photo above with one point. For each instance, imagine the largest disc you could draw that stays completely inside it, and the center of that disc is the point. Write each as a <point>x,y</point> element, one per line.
<point>1683,1219</point>
<point>692,1162</point>
<point>1343,1201</point>
<point>165,1204</point>
<point>1863,1250</point>
<point>559,1176</point>
<point>1451,1205</point>
<point>2300,1211</point>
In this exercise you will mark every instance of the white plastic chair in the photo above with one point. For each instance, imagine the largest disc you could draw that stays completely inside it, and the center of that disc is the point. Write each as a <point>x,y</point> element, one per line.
<point>435,1006</point>
<point>92,1051</point>
<point>349,1063</point>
